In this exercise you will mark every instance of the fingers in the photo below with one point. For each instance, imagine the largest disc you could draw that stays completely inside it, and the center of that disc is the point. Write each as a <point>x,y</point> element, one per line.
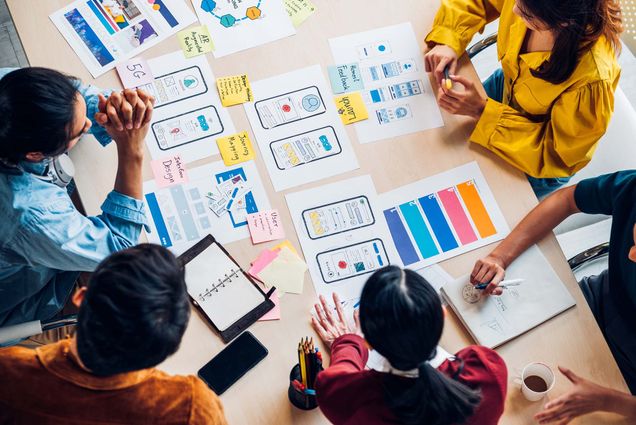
<point>113,117</point>
<point>327,311</point>
<point>572,377</point>
<point>356,318</point>
<point>126,112</point>
<point>439,69</point>
<point>140,112</point>
<point>463,81</point>
<point>149,110</point>
<point>320,330</point>
<point>339,310</point>
<point>101,103</point>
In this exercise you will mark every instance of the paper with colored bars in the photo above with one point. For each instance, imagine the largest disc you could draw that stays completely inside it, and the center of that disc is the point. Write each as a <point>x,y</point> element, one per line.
<point>443,216</point>
<point>343,238</point>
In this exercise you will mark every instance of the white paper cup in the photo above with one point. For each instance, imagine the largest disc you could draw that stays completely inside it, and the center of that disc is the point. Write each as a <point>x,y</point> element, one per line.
<point>541,370</point>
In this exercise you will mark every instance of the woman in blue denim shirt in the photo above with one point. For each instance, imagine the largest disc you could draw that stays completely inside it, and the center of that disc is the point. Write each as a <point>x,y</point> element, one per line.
<point>44,241</point>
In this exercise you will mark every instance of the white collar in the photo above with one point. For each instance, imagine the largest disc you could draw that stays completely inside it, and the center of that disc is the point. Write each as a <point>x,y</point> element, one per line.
<point>380,364</point>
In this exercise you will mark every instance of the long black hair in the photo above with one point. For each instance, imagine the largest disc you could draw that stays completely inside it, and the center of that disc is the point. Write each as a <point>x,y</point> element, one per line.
<point>577,25</point>
<point>401,317</point>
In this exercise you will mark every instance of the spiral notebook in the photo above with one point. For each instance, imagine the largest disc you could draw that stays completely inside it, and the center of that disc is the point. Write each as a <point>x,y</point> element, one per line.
<point>225,295</point>
<point>494,320</point>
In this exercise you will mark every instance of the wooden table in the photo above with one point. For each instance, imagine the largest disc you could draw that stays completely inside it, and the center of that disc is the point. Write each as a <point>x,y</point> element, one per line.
<point>572,339</point>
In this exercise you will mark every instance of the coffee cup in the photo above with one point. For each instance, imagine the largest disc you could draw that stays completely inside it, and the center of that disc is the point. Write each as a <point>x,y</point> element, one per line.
<point>537,379</point>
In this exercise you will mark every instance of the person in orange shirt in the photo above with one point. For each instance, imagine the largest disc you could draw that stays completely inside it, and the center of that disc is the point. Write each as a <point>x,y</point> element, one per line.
<point>552,99</point>
<point>131,317</point>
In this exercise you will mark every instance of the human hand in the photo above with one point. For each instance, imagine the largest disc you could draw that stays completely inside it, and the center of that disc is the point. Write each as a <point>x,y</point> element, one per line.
<point>129,109</point>
<point>489,270</point>
<point>585,397</point>
<point>329,327</point>
<point>468,102</point>
<point>438,58</point>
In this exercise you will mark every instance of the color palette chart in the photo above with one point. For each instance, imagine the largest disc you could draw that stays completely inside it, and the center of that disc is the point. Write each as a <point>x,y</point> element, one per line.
<point>443,216</point>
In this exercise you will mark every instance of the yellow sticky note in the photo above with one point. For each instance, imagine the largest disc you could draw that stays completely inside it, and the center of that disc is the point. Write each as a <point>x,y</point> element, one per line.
<point>236,148</point>
<point>299,10</point>
<point>285,243</point>
<point>234,90</point>
<point>195,41</point>
<point>351,108</point>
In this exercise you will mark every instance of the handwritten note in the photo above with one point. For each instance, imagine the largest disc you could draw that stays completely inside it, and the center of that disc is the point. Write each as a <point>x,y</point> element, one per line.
<point>345,78</point>
<point>299,10</point>
<point>351,108</point>
<point>234,90</point>
<point>169,171</point>
<point>134,73</point>
<point>265,226</point>
<point>236,148</point>
<point>195,41</point>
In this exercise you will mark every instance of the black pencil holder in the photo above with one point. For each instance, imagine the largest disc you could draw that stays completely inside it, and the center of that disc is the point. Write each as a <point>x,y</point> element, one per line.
<point>299,398</point>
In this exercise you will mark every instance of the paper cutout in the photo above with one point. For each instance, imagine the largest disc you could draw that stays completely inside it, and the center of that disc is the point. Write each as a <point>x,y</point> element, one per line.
<point>236,148</point>
<point>299,10</point>
<point>134,73</point>
<point>234,90</point>
<point>169,171</point>
<point>273,314</point>
<point>195,41</point>
<point>345,78</point>
<point>351,108</point>
<point>265,226</point>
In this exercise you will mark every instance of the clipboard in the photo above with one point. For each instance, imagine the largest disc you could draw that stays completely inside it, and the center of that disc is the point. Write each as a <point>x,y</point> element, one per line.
<point>225,287</point>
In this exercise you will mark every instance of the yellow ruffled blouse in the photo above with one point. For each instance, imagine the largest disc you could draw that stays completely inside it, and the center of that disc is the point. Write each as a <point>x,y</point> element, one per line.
<point>544,129</point>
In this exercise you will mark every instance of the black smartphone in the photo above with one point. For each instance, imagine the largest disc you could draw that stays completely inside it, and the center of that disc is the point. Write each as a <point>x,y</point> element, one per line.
<point>233,362</point>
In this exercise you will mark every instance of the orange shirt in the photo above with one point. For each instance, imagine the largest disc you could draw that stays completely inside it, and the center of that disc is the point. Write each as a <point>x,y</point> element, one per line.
<point>46,386</point>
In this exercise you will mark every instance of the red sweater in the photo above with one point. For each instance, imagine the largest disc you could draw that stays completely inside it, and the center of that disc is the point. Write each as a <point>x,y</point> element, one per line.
<point>349,394</point>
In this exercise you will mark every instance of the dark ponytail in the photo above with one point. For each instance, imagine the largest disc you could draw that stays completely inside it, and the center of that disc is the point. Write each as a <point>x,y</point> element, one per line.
<point>577,25</point>
<point>401,317</point>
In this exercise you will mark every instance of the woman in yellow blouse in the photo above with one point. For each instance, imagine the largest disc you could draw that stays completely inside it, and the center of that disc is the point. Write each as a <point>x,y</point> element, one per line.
<point>553,98</point>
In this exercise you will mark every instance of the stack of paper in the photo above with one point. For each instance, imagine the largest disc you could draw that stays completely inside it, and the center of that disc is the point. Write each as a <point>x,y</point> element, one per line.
<point>280,267</point>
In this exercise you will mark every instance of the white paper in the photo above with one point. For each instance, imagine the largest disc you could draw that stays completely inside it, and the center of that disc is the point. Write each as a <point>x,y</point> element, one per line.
<point>105,32</point>
<point>179,215</point>
<point>494,320</point>
<point>436,276</point>
<point>397,91</point>
<point>298,130</point>
<point>237,25</point>
<point>448,226</point>
<point>341,235</point>
<point>188,116</point>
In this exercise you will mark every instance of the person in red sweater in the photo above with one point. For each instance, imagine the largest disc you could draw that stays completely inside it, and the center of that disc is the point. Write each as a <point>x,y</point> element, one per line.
<point>401,317</point>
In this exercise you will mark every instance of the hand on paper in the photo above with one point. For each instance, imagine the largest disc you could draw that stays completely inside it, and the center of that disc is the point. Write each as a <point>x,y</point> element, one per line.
<point>330,327</point>
<point>130,109</point>
<point>438,58</point>
<point>488,269</point>
<point>585,397</point>
<point>468,102</point>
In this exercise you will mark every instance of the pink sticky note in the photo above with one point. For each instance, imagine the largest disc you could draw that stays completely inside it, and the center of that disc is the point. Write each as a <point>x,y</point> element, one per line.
<point>273,314</point>
<point>169,171</point>
<point>134,73</point>
<point>262,261</point>
<point>265,226</point>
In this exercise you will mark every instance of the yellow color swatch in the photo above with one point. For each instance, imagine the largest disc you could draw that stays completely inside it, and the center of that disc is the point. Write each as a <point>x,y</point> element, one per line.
<point>195,41</point>
<point>351,108</point>
<point>236,148</point>
<point>234,90</point>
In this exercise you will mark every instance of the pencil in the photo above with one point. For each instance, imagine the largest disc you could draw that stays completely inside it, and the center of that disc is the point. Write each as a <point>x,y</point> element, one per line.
<point>447,79</point>
<point>301,362</point>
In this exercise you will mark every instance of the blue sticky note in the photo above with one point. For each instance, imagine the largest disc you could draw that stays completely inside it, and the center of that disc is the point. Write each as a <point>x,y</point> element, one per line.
<point>345,78</point>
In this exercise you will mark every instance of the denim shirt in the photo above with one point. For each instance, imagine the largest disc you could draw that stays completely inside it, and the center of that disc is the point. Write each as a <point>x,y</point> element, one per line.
<point>45,242</point>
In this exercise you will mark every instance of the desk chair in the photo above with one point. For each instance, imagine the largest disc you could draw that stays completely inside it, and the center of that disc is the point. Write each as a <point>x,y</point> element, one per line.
<point>583,238</point>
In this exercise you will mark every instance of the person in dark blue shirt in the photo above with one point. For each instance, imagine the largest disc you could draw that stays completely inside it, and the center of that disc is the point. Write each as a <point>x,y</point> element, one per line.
<point>610,295</point>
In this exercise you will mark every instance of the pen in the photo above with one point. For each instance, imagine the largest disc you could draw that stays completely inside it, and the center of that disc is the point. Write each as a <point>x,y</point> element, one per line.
<point>503,284</point>
<point>447,80</point>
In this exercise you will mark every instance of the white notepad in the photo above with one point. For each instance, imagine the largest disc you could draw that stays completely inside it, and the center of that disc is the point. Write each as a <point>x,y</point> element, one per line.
<point>494,320</point>
<point>220,288</point>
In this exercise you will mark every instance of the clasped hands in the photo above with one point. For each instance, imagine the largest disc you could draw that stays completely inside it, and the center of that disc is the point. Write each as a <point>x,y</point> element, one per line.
<point>129,109</point>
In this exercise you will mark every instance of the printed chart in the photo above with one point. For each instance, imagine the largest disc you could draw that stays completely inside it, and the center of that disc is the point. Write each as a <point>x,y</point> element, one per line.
<point>443,216</point>
<point>341,235</point>
<point>104,32</point>
<point>396,88</point>
<point>299,133</point>
<point>181,215</point>
<point>237,25</point>
<point>188,116</point>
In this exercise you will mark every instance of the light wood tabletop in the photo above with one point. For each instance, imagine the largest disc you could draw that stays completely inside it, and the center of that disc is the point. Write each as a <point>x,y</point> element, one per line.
<point>571,339</point>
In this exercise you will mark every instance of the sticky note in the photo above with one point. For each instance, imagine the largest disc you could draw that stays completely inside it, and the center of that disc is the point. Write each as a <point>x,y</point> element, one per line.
<point>263,260</point>
<point>195,41</point>
<point>265,226</point>
<point>234,90</point>
<point>345,78</point>
<point>273,314</point>
<point>351,108</point>
<point>299,10</point>
<point>134,73</point>
<point>286,272</point>
<point>283,244</point>
<point>236,148</point>
<point>169,171</point>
